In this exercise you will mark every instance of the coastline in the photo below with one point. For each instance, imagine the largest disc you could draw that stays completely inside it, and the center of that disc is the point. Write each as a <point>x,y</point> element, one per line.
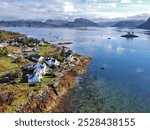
<point>51,101</point>
<point>35,74</point>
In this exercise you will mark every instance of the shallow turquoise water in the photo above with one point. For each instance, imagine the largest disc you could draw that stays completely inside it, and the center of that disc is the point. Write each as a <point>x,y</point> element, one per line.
<point>123,85</point>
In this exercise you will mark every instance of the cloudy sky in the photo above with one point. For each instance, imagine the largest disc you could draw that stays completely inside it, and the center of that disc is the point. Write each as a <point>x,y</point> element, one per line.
<point>71,9</point>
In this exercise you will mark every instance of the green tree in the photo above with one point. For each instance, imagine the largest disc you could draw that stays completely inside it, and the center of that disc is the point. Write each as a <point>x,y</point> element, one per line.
<point>3,51</point>
<point>17,80</point>
<point>3,36</point>
<point>19,60</point>
<point>69,53</point>
<point>16,73</point>
<point>63,52</point>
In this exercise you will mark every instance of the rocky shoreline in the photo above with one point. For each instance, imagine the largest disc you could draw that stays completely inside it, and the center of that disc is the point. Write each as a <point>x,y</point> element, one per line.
<point>52,99</point>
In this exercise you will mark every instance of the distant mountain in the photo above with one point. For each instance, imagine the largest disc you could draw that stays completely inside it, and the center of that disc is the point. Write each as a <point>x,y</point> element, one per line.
<point>22,23</point>
<point>145,25</point>
<point>56,22</point>
<point>49,23</point>
<point>107,24</point>
<point>80,22</point>
<point>132,24</point>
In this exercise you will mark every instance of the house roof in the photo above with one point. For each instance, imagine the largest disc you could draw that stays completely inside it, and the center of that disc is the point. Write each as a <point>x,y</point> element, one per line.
<point>52,61</point>
<point>36,56</point>
<point>70,58</point>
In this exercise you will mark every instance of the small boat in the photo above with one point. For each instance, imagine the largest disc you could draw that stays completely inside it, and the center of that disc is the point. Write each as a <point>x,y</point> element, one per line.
<point>130,35</point>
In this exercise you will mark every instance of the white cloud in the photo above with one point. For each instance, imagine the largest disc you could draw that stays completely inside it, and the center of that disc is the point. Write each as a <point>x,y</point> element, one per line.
<point>70,9</point>
<point>140,1</point>
<point>106,5</point>
<point>126,1</point>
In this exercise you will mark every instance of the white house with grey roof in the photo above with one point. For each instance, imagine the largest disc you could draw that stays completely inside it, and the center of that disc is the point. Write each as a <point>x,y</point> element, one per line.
<point>38,71</point>
<point>52,61</point>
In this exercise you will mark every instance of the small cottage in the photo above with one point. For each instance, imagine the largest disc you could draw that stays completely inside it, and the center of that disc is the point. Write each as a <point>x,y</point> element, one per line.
<point>30,50</point>
<point>3,44</point>
<point>70,58</point>
<point>41,43</point>
<point>14,44</point>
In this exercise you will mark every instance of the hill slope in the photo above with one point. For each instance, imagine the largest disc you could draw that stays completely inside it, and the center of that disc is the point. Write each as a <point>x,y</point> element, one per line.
<point>145,25</point>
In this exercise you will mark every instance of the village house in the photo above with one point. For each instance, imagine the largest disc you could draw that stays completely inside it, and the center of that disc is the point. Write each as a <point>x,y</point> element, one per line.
<point>33,44</point>
<point>30,50</point>
<point>42,68</point>
<point>14,56</point>
<point>38,71</point>
<point>37,58</point>
<point>14,44</point>
<point>3,44</point>
<point>70,58</point>
<point>41,43</point>
<point>52,61</point>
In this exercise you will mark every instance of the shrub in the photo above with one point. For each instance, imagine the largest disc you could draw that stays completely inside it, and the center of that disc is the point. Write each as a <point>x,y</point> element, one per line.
<point>59,57</point>
<point>17,80</point>
<point>19,60</point>
<point>3,36</point>
<point>3,51</point>
<point>17,73</point>
<point>69,53</point>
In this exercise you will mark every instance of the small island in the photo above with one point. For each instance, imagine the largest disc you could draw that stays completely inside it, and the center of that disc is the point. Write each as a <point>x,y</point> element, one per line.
<point>130,35</point>
<point>65,43</point>
<point>35,75</point>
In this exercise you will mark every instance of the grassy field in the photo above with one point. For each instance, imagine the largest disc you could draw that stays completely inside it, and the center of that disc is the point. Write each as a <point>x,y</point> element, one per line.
<point>6,65</point>
<point>45,50</point>
<point>13,49</point>
<point>48,50</point>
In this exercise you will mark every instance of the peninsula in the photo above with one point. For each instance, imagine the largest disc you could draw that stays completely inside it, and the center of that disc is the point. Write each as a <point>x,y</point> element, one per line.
<point>35,75</point>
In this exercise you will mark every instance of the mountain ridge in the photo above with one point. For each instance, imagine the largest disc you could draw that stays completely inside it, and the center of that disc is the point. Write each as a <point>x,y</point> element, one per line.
<point>129,23</point>
<point>145,25</point>
<point>79,22</point>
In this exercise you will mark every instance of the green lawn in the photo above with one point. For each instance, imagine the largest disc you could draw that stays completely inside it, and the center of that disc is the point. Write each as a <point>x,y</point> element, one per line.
<point>6,65</point>
<point>13,49</point>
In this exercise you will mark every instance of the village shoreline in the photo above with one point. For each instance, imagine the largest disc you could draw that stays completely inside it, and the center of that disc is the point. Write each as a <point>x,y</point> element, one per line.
<point>39,76</point>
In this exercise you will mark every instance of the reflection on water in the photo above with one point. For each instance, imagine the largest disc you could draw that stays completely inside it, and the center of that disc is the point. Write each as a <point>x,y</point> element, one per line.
<point>123,83</point>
